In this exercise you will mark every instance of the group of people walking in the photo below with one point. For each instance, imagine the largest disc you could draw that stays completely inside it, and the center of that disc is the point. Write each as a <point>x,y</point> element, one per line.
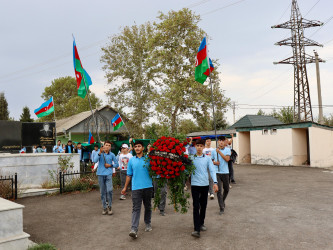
<point>211,176</point>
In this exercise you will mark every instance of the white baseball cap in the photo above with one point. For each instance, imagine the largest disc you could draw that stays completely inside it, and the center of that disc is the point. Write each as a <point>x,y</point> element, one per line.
<point>124,146</point>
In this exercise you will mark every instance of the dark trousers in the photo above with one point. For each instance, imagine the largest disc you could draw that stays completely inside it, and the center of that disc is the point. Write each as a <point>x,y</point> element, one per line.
<point>199,196</point>
<point>139,196</point>
<point>231,171</point>
<point>222,180</point>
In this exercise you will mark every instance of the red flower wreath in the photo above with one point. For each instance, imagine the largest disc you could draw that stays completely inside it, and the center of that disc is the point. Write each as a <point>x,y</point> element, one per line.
<point>169,164</point>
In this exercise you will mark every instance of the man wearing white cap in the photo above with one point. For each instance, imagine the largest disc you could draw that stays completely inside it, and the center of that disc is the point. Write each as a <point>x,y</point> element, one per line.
<point>123,162</point>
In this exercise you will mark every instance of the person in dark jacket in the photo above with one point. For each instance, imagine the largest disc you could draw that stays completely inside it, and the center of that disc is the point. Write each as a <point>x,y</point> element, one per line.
<point>69,148</point>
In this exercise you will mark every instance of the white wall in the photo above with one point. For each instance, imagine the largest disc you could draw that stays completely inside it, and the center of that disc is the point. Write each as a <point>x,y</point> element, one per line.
<point>271,149</point>
<point>32,169</point>
<point>243,147</point>
<point>321,147</point>
<point>299,140</point>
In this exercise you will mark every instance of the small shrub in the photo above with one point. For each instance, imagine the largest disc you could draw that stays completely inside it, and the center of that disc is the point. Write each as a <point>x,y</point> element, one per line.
<point>116,181</point>
<point>43,246</point>
<point>85,182</point>
<point>49,184</point>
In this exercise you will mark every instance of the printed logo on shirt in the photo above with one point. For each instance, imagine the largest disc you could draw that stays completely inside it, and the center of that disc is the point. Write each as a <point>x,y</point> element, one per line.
<point>124,161</point>
<point>209,153</point>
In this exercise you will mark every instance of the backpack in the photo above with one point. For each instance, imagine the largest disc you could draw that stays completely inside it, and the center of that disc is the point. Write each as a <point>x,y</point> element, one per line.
<point>233,155</point>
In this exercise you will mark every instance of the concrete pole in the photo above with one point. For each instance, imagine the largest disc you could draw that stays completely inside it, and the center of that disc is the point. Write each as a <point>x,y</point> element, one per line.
<point>320,103</point>
<point>233,110</point>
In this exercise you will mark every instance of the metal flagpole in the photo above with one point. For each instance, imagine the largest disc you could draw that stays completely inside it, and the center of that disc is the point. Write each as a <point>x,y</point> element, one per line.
<point>53,110</point>
<point>95,122</point>
<point>211,87</point>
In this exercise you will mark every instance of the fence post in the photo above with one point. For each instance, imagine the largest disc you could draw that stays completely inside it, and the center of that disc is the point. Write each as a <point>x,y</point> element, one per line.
<point>60,180</point>
<point>12,179</point>
<point>15,186</point>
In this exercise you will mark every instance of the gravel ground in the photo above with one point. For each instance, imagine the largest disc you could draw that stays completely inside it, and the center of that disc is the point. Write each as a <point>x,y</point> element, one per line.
<point>270,207</point>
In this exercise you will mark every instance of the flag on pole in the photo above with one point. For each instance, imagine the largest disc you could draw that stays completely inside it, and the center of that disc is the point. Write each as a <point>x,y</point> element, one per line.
<point>201,65</point>
<point>80,73</point>
<point>117,122</point>
<point>45,109</point>
<point>91,138</point>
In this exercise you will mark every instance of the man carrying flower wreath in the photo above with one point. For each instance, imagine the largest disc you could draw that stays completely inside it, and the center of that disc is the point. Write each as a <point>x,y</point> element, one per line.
<point>142,188</point>
<point>200,186</point>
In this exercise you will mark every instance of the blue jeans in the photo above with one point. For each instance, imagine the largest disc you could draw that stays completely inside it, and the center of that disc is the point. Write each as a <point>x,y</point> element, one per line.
<point>106,188</point>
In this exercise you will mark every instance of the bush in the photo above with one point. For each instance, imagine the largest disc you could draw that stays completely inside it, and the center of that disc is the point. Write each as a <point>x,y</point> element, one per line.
<point>84,182</point>
<point>43,246</point>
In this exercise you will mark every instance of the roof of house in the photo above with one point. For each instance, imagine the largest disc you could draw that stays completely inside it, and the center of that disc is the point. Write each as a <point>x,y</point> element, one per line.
<point>306,124</point>
<point>71,121</point>
<point>218,132</point>
<point>249,121</point>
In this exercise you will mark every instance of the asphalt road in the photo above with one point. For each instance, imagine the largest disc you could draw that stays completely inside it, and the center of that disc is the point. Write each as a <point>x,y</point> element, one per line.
<point>270,207</point>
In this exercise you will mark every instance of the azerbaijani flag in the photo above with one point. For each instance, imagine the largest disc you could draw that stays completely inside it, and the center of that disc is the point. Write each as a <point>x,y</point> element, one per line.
<point>80,74</point>
<point>117,122</point>
<point>91,138</point>
<point>45,109</point>
<point>201,65</point>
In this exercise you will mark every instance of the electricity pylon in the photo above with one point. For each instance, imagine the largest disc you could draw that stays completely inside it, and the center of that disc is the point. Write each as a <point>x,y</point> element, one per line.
<point>297,24</point>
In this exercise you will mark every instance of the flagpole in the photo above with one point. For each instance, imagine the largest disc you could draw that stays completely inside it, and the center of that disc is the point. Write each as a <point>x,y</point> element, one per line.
<point>54,117</point>
<point>95,123</point>
<point>211,87</point>
<point>126,127</point>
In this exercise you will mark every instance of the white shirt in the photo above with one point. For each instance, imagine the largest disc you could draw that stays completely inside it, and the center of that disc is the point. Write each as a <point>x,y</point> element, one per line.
<point>123,160</point>
<point>208,151</point>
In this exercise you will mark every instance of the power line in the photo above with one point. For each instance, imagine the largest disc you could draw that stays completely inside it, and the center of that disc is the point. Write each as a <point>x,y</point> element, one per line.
<point>224,7</point>
<point>50,60</point>
<point>196,4</point>
<point>284,13</point>
<point>326,22</point>
<point>311,8</point>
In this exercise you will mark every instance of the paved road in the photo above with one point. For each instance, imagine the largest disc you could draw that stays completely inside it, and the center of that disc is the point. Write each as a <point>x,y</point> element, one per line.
<point>270,207</point>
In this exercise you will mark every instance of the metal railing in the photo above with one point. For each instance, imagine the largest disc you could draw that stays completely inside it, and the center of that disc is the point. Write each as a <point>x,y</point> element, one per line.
<point>8,187</point>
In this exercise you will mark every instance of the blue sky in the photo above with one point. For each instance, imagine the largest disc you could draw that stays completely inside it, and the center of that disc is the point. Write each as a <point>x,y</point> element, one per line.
<point>36,46</point>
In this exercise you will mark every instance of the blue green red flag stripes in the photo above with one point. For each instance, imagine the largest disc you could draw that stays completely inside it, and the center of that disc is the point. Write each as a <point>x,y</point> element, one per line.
<point>45,109</point>
<point>80,74</point>
<point>91,138</point>
<point>117,122</point>
<point>201,66</point>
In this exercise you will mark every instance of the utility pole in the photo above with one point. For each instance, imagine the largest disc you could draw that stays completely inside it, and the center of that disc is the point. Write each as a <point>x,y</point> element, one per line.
<point>297,24</point>
<point>320,102</point>
<point>234,110</point>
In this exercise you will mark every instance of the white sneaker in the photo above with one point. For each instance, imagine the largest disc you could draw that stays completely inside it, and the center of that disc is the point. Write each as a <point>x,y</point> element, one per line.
<point>122,197</point>
<point>212,196</point>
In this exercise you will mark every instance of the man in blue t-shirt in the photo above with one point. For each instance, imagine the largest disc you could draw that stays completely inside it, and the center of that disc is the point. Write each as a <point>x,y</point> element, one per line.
<point>142,188</point>
<point>220,158</point>
<point>106,161</point>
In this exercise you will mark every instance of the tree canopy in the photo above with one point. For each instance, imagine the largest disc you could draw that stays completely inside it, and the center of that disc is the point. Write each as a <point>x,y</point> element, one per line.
<point>66,100</point>
<point>4,113</point>
<point>151,69</point>
<point>25,116</point>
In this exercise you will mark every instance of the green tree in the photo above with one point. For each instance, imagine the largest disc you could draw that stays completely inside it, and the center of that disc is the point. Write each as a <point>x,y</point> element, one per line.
<point>286,115</point>
<point>127,68</point>
<point>187,126</point>
<point>66,100</point>
<point>155,131</point>
<point>260,112</point>
<point>25,116</point>
<point>328,120</point>
<point>176,42</point>
<point>4,113</point>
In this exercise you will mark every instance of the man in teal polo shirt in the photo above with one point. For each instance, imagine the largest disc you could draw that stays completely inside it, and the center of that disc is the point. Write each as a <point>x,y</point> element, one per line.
<point>220,158</point>
<point>142,188</point>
